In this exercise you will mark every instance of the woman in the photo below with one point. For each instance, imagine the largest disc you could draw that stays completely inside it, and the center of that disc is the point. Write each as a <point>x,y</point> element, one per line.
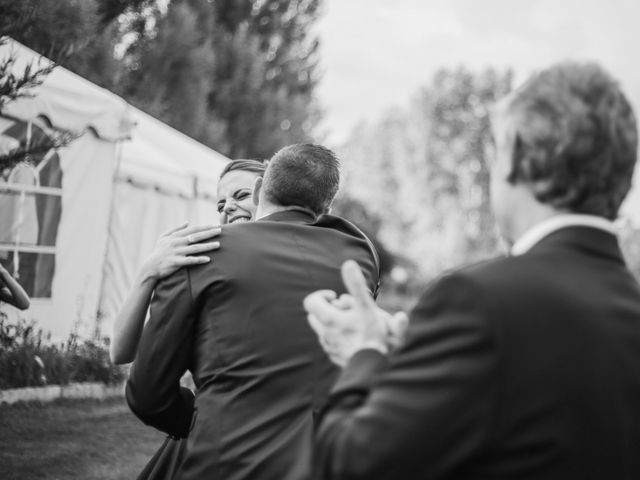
<point>173,251</point>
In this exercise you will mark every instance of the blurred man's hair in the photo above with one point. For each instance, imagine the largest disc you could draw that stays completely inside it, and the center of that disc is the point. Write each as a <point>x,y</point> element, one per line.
<point>575,139</point>
<point>303,175</point>
<point>244,165</point>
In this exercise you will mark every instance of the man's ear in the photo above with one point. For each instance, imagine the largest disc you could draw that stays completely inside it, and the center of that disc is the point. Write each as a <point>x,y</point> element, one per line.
<point>257,187</point>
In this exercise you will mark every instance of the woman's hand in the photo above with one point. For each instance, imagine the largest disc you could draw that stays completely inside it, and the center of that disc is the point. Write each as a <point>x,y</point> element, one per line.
<point>174,249</point>
<point>179,248</point>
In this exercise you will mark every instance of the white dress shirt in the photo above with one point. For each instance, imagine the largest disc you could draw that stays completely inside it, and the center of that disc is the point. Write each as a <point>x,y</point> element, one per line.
<point>547,227</point>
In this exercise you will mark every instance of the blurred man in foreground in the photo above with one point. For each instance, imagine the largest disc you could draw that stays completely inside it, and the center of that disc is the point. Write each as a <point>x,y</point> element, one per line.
<point>525,367</point>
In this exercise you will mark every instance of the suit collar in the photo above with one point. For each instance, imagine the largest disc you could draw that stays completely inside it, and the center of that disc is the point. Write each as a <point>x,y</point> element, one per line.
<point>543,229</point>
<point>292,215</point>
<point>582,238</point>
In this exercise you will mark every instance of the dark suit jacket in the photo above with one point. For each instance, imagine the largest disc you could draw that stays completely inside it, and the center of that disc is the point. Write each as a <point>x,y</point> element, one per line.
<point>237,323</point>
<point>522,368</point>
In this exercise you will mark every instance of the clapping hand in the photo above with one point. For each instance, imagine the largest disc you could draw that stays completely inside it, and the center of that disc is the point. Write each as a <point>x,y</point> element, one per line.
<point>353,321</point>
<point>178,248</point>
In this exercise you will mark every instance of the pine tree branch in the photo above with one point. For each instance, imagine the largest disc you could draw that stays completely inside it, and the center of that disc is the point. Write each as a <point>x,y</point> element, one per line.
<point>14,86</point>
<point>58,139</point>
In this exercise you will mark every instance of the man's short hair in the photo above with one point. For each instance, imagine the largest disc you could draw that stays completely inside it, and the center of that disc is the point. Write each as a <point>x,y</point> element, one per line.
<point>575,139</point>
<point>303,175</point>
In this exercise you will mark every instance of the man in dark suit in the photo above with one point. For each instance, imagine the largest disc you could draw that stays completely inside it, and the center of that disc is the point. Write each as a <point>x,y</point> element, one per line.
<point>526,367</point>
<point>237,323</point>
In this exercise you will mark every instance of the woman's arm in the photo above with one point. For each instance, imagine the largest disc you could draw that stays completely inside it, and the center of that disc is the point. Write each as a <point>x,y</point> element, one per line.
<point>11,291</point>
<point>130,320</point>
<point>173,250</point>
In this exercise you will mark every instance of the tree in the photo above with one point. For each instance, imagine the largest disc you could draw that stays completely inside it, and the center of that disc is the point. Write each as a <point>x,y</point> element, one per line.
<point>256,62</point>
<point>281,109</point>
<point>109,10</point>
<point>170,71</point>
<point>459,137</point>
<point>57,29</point>
<point>354,210</point>
<point>426,170</point>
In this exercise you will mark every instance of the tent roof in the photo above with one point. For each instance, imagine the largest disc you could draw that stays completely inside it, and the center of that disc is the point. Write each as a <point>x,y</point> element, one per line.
<point>152,153</point>
<point>175,159</point>
<point>68,101</point>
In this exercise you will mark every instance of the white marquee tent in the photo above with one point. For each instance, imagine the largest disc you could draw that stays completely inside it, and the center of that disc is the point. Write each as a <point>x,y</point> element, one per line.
<point>76,226</point>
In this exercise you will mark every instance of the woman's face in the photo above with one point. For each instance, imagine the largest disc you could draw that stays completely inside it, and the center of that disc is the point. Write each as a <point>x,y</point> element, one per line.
<point>235,200</point>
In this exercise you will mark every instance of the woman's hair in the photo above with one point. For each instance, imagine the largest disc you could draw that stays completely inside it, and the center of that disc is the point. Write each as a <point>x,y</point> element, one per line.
<point>255,166</point>
<point>575,139</point>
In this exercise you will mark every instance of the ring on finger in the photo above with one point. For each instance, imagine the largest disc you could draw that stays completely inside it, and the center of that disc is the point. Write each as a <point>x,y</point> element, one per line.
<point>189,239</point>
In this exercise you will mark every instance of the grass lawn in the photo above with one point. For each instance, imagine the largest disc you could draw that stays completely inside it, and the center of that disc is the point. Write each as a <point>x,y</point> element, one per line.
<point>83,439</point>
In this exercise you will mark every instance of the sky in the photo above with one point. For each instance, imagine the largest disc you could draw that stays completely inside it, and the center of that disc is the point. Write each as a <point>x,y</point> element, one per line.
<point>375,54</point>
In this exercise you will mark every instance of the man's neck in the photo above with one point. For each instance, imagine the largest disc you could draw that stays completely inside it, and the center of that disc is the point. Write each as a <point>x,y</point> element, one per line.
<point>524,223</point>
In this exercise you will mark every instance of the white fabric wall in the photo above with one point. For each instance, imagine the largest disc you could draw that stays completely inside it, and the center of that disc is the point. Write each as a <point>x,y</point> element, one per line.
<point>87,166</point>
<point>204,211</point>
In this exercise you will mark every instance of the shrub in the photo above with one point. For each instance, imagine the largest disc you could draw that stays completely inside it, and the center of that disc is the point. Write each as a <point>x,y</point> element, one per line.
<point>28,358</point>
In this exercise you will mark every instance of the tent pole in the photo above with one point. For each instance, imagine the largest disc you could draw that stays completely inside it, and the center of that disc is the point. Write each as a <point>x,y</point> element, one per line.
<point>97,332</point>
